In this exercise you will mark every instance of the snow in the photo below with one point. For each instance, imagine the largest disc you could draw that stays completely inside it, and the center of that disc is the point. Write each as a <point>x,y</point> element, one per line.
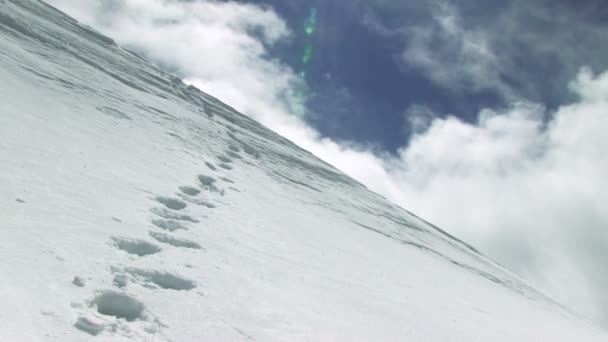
<point>140,209</point>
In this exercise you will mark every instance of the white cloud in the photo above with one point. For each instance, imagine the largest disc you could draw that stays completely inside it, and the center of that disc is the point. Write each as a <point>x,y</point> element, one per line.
<point>218,46</point>
<point>526,191</point>
<point>453,56</point>
<point>512,49</point>
<point>419,118</point>
<point>517,186</point>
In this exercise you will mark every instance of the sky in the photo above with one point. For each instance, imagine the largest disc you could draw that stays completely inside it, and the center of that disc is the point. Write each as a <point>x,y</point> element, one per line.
<point>487,118</point>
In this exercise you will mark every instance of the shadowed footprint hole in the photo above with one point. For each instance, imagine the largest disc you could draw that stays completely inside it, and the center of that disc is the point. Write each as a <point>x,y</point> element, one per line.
<point>206,180</point>
<point>224,159</point>
<point>119,305</point>
<point>225,166</point>
<point>134,246</point>
<point>208,183</point>
<point>188,190</point>
<point>211,166</point>
<point>171,203</point>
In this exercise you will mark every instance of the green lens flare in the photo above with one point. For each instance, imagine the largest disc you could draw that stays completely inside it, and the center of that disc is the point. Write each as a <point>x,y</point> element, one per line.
<point>311,22</point>
<point>307,54</point>
<point>310,26</point>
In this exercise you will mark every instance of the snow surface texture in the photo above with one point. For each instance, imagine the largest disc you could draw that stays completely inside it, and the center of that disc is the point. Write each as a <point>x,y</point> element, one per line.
<point>137,208</point>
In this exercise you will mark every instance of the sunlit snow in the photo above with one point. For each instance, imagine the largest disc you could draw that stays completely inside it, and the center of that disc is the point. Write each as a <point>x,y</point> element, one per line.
<point>137,208</point>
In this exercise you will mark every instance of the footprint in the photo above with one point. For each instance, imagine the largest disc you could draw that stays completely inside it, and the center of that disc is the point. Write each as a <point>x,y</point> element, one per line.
<point>173,241</point>
<point>137,247</point>
<point>117,313</point>
<point>119,305</point>
<point>169,215</point>
<point>225,166</point>
<point>162,279</point>
<point>188,190</point>
<point>79,281</point>
<point>227,180</point>
<point>169,225</point>
<point>233,148</point>
<point>211,166</point>
<point>171,203</point>
<point>234,155</point>
<point>206,180</point>
<point>224,159</point>
<point>208,183</point>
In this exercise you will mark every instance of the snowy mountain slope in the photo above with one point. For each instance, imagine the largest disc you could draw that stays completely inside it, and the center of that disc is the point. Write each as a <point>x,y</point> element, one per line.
<point>138,208</point>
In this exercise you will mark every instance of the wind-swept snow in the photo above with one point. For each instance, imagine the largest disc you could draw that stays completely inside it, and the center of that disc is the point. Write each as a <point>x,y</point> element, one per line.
<point>137,208</point>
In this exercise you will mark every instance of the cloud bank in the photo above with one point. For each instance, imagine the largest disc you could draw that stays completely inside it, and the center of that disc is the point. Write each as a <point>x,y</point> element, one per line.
<point>521,183</point>
<point>452,55</point>
<point>514,48</point>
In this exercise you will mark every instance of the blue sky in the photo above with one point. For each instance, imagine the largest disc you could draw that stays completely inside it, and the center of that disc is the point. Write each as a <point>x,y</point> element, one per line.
<point>357,90</point>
